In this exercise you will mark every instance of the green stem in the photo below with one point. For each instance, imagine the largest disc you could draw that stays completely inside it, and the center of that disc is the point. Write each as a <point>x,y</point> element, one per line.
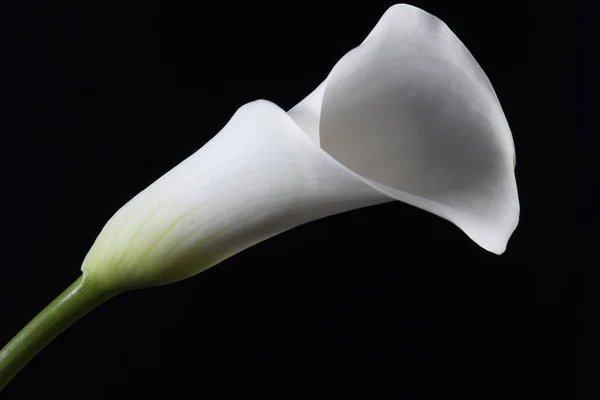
<point>76,301</point>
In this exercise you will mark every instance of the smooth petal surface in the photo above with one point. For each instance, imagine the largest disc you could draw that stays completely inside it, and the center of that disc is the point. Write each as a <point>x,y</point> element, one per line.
<point>408,115</point>
<point>412,112</point>
<point>260,176</point>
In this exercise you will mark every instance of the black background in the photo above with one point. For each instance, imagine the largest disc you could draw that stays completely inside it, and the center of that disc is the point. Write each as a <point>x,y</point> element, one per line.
<point>389,301</point>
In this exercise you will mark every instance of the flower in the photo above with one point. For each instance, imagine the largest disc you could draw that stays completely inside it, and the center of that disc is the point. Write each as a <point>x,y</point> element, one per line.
<point>408,115</point>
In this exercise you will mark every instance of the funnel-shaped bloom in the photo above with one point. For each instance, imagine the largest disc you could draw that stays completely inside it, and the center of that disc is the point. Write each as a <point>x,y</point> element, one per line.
<point>408,115</point>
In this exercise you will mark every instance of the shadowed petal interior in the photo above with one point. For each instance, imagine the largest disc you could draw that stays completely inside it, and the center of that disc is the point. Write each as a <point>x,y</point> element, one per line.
<point>412,112</point>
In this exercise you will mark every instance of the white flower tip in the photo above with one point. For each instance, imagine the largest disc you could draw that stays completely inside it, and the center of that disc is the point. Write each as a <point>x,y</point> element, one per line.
<point>494,239</point>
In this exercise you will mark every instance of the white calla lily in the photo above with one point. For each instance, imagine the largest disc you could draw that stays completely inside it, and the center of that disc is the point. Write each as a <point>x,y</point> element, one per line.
<point>408,115</point>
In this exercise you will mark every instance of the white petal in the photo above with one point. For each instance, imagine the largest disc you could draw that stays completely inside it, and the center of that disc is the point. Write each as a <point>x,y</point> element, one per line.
<point>306,113</point>
<point>407,115</point>
<point>412,113</point>
<point>260,176</point>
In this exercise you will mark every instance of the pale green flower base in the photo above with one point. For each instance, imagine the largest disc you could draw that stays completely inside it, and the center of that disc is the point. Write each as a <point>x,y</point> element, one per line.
<point>76,301</point>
